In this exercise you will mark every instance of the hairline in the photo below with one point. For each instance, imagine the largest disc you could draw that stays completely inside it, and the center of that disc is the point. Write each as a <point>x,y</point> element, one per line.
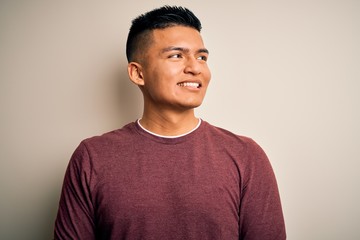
<point>148,33</point>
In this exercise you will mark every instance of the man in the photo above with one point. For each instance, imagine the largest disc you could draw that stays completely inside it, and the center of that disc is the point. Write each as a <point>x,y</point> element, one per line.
<point>169,175</point>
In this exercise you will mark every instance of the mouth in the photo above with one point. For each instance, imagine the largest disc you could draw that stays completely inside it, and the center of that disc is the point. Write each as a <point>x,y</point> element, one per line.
<point>190,84</point>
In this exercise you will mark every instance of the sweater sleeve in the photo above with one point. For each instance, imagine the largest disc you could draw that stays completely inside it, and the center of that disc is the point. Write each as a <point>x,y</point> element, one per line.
<point>261,216</point>
<point>75,214</point>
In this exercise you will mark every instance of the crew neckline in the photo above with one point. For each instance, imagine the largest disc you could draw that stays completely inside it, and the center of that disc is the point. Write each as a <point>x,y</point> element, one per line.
<point>169,137</point>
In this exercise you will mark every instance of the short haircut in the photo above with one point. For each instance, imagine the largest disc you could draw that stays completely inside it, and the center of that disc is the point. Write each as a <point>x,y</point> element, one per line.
<point>159,18</point>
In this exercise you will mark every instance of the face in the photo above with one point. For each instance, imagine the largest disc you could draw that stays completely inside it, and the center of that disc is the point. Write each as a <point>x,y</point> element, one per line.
<point>174,69</point>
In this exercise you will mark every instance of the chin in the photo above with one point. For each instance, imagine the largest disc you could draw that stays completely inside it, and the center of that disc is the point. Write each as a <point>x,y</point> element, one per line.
<point>191,105</point>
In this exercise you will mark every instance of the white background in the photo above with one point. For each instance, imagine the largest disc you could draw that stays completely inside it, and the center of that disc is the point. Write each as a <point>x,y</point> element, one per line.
<point>285,73</point>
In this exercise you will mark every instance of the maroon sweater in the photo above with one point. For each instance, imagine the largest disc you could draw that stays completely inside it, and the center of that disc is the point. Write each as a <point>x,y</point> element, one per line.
<point>208,184</point>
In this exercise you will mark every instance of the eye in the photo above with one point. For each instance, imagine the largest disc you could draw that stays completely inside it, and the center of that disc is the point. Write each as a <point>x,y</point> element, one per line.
<point>203,58</point>
<point>175,56</point>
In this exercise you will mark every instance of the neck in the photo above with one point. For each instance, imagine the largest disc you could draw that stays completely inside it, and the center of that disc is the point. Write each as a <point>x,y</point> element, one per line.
<point>169,124</point>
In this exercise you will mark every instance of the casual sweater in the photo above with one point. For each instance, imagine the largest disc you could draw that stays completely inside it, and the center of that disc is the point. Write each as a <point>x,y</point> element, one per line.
<point>131,184</point>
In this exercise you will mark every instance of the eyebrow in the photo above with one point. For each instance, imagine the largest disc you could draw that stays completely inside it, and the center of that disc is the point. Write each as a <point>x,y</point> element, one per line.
<point>181,49</point>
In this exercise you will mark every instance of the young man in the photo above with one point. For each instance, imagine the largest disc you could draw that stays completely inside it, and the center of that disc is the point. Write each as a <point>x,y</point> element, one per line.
<point>169,175</point>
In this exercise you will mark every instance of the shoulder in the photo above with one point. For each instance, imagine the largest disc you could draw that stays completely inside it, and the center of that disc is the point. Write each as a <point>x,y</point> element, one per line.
<point>229,137</point>
<point>106,145</point>
<point>243,148</point>
<point>124,135</point>
<point>97,149</point>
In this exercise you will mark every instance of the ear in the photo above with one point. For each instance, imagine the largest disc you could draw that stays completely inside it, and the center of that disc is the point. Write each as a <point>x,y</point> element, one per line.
<point>135,73</point>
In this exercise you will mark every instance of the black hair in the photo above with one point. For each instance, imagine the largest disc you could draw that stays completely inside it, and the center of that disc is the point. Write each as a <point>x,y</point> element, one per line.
<point>158,18</point>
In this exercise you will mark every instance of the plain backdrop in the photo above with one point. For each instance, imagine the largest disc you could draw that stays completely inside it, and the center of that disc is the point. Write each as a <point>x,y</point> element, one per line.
<point>284,72</point>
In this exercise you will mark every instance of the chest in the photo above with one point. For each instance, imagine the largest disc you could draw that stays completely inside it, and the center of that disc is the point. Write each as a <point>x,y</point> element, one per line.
<point>180,185</point>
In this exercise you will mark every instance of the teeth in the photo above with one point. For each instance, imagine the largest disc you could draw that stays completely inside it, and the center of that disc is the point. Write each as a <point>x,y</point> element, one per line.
<point>189,84</point>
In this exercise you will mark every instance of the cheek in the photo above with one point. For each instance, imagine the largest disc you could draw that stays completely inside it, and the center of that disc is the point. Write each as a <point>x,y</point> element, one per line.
<point>173,69</point>
<point>162,80</point>
<point>207,75</point>
<point>167,70</point>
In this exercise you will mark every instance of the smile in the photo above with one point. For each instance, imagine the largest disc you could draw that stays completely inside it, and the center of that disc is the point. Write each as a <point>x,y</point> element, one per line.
<point>189,84</point>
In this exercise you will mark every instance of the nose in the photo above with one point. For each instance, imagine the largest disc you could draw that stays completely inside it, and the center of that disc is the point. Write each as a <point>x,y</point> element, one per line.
<point>192,66</point>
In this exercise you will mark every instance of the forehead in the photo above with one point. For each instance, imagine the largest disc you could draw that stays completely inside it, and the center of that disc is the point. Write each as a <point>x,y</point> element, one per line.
<point>177,36</point>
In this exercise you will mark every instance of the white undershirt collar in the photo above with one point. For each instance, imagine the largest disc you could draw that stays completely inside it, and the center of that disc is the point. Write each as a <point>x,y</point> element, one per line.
<point>177,136</point>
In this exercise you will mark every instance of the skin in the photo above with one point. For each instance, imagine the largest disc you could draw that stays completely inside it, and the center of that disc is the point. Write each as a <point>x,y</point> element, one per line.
<point>173,76</point>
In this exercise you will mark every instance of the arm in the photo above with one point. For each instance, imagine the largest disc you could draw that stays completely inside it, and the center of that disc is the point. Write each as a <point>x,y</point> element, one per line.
<point>261,216</point>
<point>75,214</point>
